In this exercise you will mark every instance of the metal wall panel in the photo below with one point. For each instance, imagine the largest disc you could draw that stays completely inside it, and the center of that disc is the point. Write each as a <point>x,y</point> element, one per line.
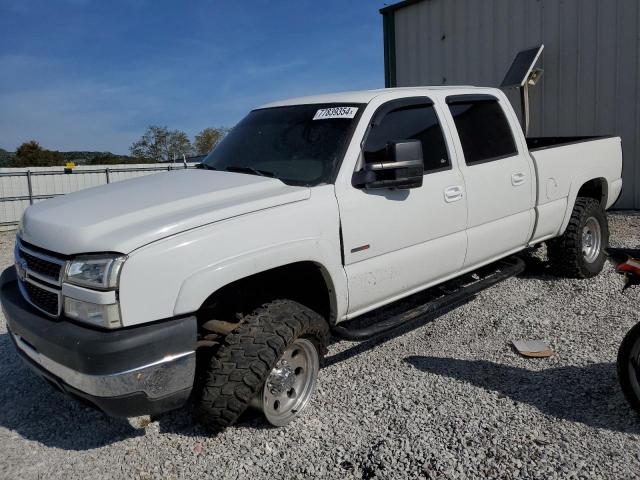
<point>591,83</point>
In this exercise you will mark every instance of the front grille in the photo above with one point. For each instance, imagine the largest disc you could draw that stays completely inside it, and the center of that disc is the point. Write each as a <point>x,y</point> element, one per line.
<point>40,275</point>
<point>41,266</point>
<point>41,298</point>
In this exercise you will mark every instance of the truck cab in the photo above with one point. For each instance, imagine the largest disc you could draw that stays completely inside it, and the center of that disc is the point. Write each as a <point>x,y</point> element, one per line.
<point>222,284</point>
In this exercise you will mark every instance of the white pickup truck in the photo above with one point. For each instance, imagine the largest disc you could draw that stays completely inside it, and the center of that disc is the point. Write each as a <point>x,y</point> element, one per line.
<point>220,285</point>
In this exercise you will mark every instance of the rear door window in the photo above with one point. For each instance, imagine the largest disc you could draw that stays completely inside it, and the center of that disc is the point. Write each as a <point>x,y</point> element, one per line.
<point>483,128</point>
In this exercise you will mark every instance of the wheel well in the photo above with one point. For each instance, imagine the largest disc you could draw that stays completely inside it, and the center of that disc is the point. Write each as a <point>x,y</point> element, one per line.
<point>596,189</point>
<point>303,282</point>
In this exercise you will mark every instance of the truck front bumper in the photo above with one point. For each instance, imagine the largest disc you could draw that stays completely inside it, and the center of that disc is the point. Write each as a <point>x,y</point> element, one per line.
<point>128,372</point>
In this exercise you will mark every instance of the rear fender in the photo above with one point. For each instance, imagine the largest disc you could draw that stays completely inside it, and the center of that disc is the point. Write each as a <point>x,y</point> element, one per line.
<point>577,184</point>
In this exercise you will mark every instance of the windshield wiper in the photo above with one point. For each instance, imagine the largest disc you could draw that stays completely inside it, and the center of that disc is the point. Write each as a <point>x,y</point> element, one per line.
<point>251,170</point>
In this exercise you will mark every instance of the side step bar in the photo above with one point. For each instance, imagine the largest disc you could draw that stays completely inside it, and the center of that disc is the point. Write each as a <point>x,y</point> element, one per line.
<point>451,296</point>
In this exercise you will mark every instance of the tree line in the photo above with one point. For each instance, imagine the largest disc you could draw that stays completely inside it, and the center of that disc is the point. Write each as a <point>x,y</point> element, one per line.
<point>158,144</point>
<point>164,145</point>
<point>31,154</point>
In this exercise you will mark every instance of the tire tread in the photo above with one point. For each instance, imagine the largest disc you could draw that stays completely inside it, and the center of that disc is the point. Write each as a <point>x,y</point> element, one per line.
<point>623,367</point>
<point>239,368</point>
<point>565,251</point>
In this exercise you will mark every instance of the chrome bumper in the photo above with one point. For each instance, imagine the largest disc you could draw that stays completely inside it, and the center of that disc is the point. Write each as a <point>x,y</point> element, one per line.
<point>171,374</point>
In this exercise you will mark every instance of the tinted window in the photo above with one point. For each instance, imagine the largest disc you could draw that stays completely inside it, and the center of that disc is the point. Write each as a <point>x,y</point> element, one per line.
<point>416,122</point>
<point>300,144</point>
<point>483,130</point>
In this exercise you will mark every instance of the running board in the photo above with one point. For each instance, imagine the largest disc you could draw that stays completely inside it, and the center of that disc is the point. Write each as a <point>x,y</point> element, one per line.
<point>448,296</point>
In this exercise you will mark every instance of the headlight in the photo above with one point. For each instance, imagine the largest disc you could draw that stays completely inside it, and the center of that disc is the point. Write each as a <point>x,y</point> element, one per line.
<point>105,316</point>
<point>95,272</point>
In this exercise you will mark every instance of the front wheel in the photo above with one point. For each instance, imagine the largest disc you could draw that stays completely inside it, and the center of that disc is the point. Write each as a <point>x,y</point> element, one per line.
<point>629,367</point>
<point>270,361</point>
<point>291,383</point>
<point>580,251</point>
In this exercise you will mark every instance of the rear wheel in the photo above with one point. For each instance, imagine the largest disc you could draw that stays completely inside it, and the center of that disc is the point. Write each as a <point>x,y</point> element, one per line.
<point>270,361</point>
<point>580,251</point>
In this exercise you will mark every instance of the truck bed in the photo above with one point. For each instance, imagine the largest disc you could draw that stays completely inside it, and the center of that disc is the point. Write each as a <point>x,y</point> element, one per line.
<point>538,143</point>
<point>563,165</point>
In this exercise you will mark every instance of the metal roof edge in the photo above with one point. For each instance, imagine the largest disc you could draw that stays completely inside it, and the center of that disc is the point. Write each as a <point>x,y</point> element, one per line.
<point>396,6</point>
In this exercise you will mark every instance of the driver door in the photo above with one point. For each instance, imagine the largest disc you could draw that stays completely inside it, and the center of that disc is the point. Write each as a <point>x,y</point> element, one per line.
<point>398,241</point>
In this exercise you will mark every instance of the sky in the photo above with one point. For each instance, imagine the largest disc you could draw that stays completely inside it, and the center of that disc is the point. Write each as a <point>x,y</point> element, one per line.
<point>94,74</point>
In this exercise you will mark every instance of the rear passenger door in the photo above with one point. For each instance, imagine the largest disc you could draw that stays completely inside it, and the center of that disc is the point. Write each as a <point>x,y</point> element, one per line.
<point>398,240</point>
<point>498,175</point>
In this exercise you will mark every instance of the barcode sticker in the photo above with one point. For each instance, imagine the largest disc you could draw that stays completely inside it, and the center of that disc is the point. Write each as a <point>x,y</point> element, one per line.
<point>335,112</point>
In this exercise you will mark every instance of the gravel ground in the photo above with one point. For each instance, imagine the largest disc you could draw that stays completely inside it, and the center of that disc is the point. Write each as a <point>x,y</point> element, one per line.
<point>450,399</point>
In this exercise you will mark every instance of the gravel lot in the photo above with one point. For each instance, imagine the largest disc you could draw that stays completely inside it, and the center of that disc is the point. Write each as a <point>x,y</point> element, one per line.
<point>450,399</point>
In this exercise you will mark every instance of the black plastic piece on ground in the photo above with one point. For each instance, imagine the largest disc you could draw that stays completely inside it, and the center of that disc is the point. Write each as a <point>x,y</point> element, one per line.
<point>497,272</point>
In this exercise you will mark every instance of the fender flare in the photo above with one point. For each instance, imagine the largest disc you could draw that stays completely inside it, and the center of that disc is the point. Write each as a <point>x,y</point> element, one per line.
<point>577,184</point>
<point>196,288</point>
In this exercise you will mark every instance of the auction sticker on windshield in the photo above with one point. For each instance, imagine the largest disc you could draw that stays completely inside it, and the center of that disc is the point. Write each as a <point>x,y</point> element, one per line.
<point>335,112</point>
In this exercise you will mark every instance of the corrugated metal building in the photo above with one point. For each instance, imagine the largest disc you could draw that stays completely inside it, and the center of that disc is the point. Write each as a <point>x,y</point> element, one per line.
<point>591,81</point>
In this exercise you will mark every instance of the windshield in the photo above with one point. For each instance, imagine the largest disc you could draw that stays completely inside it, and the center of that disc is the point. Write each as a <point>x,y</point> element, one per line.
<point>300,144</point>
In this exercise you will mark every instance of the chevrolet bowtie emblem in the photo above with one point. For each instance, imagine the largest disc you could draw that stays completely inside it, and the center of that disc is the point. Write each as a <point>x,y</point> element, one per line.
<point>21,269</point>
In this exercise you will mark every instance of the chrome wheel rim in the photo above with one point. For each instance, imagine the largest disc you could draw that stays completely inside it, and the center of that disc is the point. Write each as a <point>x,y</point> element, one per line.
<point>591,240</point>
<point>291,383</point>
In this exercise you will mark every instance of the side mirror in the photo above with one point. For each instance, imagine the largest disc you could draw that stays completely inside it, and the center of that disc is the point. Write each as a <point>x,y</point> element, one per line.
<point>404,168</point>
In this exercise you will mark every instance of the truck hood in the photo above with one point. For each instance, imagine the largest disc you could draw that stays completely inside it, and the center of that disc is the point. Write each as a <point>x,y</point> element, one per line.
<point>126,215</point>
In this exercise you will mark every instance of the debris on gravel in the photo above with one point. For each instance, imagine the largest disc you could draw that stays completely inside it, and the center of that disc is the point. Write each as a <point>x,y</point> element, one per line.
<point>450,399</point>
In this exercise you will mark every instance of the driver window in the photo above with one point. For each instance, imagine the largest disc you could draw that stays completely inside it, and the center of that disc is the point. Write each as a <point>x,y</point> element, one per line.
<point>412,122</point>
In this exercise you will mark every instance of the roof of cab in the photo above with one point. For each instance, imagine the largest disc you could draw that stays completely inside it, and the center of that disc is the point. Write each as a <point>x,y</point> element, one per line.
<point>361,96</point>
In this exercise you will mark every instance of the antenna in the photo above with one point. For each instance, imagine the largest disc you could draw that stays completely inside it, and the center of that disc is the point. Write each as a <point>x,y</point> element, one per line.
<point>522,74</point>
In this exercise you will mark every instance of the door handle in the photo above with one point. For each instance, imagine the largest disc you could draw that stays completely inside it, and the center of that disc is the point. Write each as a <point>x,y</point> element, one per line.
<point>453,194</point>
<point>518,179</point>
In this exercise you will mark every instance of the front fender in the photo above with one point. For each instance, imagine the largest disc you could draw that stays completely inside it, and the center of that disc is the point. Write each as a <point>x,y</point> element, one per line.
<point>201,284</point>
<point>174,276</point>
